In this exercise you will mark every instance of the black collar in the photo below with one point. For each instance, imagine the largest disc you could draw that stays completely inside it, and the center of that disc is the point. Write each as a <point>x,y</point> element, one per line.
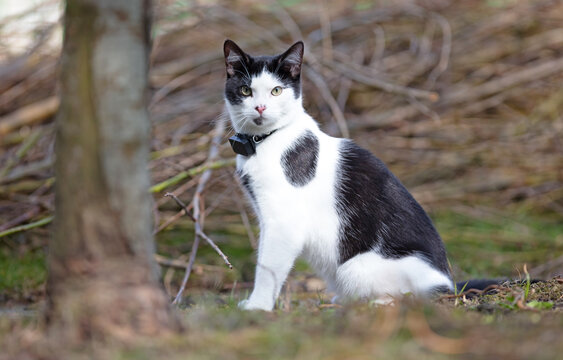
<point>245,144</point>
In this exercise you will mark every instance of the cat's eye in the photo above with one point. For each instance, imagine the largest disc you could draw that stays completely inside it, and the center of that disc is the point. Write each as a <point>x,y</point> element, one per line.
<point>277,90</point>
<point>245,90</point>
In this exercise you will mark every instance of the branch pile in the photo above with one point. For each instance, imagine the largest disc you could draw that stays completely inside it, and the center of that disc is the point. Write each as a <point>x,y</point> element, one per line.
<point>463,100</point>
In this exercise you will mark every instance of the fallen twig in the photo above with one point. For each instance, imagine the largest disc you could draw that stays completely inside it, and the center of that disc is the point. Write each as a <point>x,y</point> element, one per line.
<point>27,144</point>
<point>213,154</point>
<point>198,229</point>
<point>28,169</point>
<point>473,291</point>
<point>192,172</point>
<point>26,186</point>
<point>467,95</point>
<point>324,90</point>
<point>324,18</point>
<point>29,214</point>
<point>169,221</point>
<point>178,264</point>
<point>29,114</point>
<point>370,80</point>
<point>444,52</point>
<point>26,227</point>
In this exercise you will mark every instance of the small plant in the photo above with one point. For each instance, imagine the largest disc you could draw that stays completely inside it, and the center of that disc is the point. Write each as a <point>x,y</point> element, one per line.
<point>528,282</point>
<point>520,301</point>
<point>457,294</point>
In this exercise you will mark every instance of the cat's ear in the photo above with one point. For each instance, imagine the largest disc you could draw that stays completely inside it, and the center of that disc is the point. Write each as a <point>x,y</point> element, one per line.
<point>292,59</point>
<point>234,56</point>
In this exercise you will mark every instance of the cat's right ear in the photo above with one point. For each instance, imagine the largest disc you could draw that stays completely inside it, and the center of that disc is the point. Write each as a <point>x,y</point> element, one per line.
<point>292,59</point>
<point>234,57</point>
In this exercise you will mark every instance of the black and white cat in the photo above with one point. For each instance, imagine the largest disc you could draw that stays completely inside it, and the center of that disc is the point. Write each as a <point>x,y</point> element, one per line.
<point>321,197</point>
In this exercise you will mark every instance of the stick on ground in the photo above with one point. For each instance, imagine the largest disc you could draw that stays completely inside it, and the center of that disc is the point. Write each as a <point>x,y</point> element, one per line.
<point>198,229</point>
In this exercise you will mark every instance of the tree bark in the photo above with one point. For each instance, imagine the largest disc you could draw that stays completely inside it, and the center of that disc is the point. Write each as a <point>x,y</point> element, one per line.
<point>103,280</point>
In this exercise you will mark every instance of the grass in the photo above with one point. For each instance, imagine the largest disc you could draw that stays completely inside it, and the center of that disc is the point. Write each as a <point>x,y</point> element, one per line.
<point>21,274</point>
<point>485,246</point>
<point>497,246</point>
<point>519,320</point>
<point>409,330</point>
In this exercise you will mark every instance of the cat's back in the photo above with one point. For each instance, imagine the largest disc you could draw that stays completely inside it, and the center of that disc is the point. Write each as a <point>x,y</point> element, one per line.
<point>379,212</point>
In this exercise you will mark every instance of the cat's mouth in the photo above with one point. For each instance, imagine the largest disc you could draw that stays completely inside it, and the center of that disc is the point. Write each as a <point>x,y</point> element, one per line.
<point>255,124</point>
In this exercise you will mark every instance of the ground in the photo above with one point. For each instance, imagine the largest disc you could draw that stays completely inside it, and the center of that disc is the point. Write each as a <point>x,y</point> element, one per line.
<point>478,144</point>
<point>516,320</point>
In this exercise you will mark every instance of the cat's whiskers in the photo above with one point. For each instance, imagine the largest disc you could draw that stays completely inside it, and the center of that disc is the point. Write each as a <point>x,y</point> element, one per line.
<point>246,69</point>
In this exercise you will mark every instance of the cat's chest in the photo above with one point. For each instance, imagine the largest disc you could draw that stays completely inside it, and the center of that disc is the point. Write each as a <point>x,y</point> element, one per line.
<point>279,163</point>
<point>293,185</point>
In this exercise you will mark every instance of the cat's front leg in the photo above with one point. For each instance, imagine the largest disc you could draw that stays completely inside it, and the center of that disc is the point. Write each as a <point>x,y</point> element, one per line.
<point>277,251</point>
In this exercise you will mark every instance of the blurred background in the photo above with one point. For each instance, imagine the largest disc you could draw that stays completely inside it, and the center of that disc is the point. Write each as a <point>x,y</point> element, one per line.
<point>463,100</point>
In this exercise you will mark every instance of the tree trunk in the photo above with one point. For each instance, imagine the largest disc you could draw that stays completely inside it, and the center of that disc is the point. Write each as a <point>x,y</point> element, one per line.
<point>103,281</point>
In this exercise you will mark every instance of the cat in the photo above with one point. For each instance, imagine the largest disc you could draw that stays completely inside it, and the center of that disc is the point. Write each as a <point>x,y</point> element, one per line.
<point>320,197</point>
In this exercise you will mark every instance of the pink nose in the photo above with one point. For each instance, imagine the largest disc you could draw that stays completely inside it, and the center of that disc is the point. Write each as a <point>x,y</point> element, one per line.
<point>260,109</point>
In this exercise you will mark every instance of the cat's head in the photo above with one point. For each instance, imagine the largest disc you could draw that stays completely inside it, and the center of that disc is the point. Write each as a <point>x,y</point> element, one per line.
<point>260,92</point>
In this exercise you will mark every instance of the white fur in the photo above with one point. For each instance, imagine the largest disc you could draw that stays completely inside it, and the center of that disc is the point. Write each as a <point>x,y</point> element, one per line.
<point>371,275</point>
<point>304,221</point>
<point>279,112</point>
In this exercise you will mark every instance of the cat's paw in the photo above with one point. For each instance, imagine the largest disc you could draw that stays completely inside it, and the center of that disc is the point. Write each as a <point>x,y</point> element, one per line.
<point>247,305</point>
<point>242,304</point>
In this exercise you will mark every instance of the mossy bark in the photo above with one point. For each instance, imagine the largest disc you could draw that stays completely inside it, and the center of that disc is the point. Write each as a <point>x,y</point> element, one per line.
<point>103,280</point>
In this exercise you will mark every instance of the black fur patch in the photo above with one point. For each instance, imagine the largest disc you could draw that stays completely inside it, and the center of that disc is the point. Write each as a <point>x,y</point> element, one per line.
<point>477,284</point>
<point>379,213</point>
<point>437,291</point>
<point>246,182</point>
<point>248,67</point>
<point>299,162</point>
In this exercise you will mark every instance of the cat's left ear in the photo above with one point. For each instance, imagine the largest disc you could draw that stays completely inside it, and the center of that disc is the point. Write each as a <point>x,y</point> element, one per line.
<point>292,59</point>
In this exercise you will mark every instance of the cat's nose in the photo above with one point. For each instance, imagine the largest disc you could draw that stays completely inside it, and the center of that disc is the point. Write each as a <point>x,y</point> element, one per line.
<point>260,109</point>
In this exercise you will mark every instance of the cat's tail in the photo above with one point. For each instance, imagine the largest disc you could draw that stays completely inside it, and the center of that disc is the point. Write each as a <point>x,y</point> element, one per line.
<point>468,287</point>
<point>477,284</point>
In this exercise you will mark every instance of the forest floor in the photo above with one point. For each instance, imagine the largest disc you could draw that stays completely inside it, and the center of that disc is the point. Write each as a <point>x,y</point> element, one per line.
<point>462,100</point>
<point>514,321</point>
